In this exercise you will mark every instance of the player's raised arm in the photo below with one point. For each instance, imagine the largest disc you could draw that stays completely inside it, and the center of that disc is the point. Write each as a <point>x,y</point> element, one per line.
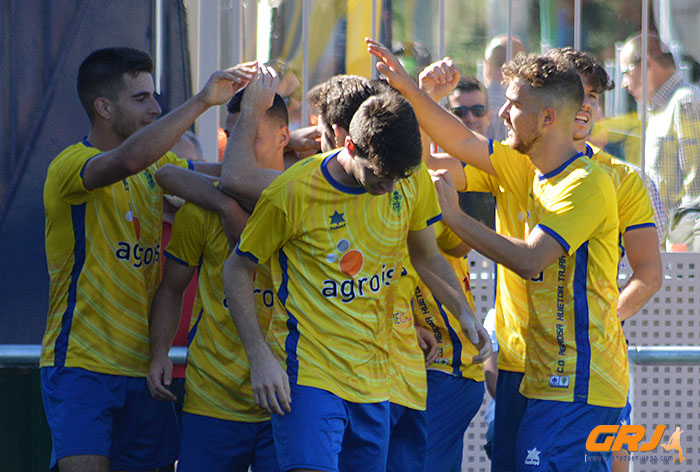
<point>241,177</point>
<point>148,144</point>
<point>443,127</point>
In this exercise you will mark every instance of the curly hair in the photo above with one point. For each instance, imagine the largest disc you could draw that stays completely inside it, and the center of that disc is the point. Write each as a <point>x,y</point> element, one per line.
<point>553,80</point>
<point>385,131</point>
<point>587,66</point>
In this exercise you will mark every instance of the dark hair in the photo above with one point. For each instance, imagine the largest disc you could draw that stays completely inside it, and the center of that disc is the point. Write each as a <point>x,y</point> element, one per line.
<point>385,131</point>
<point>554,81</point>
<point>278,110</point>
<point>101,74</point>
<point>337,99</point>
<point>471,84</point>
<point>587,66</point>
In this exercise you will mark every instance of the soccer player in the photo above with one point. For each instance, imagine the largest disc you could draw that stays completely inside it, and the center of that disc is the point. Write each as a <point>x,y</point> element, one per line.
<point>637,233</point>
<point>575,364</point>
<point>103,230</point>
<point>222,428</point>
<point>336,227</point>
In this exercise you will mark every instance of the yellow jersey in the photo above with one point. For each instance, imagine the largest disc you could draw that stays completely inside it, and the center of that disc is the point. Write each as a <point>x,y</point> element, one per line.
<point>218,373</point>
<point>575,348</point>
<point>103,255</point>
<point>334,251</point>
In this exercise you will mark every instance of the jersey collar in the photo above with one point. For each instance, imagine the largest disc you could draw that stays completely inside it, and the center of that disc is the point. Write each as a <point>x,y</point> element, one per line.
<point>559,169</point>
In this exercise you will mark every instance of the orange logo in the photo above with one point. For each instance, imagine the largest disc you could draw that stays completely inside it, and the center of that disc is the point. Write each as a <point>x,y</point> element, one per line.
<point>606,438</point>
<point>351,261</point>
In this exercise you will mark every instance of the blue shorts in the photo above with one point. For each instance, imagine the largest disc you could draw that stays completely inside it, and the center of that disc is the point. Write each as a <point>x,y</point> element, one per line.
<point>408,439</point>
<point>326,433</point>
<point>108,415</point>
<point>553,435</point>
<point>217,445</point>
<point>452,403</point>
<point>510,408</point>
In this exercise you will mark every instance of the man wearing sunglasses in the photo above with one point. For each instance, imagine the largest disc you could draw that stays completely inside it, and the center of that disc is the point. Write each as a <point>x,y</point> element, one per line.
<point>469,102</point>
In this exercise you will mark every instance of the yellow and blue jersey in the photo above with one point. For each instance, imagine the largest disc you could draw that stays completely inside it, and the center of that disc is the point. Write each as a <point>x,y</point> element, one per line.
<point>511,295</point>
<point>575,348</point>
<point>334,251</point>
<point>455,351</point>
<point>103,255</point>
<point>218,373</point>
<point>409,385</point>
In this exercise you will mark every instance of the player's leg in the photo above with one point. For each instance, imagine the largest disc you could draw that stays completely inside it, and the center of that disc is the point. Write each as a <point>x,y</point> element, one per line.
<point>264,454</point>
<point>79,405</point>
<point>145,433</point>
<point>407,440</point>
<point>452,404</point>
<point>510,408</point>
<point>366,440</point>
<point>553,434</point>
<point>311,435</point>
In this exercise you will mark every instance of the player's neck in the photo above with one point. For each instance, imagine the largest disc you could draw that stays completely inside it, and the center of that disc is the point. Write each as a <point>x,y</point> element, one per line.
<point>340,168</point>
<point>550,154</point>
<point>102,139</point>
<point>580,145</point>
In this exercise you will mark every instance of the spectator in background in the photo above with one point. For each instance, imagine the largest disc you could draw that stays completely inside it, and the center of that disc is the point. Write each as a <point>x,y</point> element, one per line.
<point>495,56</point>
<point>673,130</point>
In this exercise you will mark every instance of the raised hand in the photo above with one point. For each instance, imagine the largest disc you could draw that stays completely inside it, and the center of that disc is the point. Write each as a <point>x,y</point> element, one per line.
<point>439,78</point>
<point>224,83</point>
<point>260,92</point>
<point>447,193</point>
<point>391,68</point>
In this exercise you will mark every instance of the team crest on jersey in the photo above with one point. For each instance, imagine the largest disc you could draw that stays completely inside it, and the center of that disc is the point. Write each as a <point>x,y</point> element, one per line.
<point>396,199</point>
<point>337,220</point>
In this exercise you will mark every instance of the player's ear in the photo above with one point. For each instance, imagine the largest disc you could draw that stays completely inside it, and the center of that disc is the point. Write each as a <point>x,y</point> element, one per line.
<point>103,107</point>
<point>549,117</point>
<point>283,137</point>
<point>350,145</point>
<point>340,134</point>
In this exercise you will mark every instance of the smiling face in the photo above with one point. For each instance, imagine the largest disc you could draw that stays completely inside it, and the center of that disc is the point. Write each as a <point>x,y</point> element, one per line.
<point>471,108</point>
<point>521,116</point>
<point>135,107</point>
<point>586,116</point>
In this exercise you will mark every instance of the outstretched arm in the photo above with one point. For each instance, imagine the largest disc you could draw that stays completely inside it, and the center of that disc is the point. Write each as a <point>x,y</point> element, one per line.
<point>438,276</point>
<point>241,177</point>
<point>147,145</point>
<point>267,377</point>
<point>525,258</point>
<point>443,127</point>
<point>643,254</point>
<point>165,318</point>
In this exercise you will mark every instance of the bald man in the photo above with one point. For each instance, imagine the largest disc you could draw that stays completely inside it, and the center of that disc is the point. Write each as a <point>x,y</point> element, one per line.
<point>495,56</point>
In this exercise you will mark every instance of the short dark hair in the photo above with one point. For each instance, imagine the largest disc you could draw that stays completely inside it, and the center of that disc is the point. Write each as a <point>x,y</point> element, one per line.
<point>101,74</point>
<point>337,99</point>
<point>587,66</point>
<point>385,131</point>
<point>278,110</point>
<point>554,81</point>
<point>471,84</point>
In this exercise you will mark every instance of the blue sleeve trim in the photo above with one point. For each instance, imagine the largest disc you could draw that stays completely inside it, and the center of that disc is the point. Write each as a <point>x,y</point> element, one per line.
<point>190,165</point>
<point>434,220</point>
<point>82,169</point>
<point>246,254</point>
<point>556,236</point>
<point>171,256</point>
<point>643,225</point>
<point>490,147</point>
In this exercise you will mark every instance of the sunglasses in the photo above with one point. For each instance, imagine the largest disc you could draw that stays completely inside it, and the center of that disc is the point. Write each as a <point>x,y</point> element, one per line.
<point>478,111</point>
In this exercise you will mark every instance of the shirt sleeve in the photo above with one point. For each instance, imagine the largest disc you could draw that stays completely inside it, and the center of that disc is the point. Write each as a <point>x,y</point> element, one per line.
<point>687,123</point>
<point>633,204</point>
<point>268,228</point>
<point>480,181</point>
<point>426,210</point>
<point>66,174</point>
<point>171,158</point>
<point>579,208</point>
<point>446,238</point>
<point>189,235</point>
